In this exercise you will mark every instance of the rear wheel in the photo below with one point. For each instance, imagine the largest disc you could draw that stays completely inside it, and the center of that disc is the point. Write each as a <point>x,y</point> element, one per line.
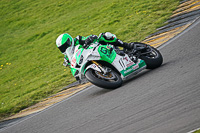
<point>152,59</point>
<point>110,80</point>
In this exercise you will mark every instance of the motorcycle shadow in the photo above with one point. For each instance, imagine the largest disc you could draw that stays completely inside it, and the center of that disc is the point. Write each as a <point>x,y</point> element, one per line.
<point>143,73</point>
<point>101,91</point>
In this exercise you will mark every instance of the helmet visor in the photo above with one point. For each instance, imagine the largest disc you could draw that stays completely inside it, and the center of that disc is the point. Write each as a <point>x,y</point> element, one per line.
<point>65,46</point>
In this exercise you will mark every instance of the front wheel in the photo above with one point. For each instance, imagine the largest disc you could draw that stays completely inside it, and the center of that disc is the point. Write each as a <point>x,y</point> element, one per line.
<point>153,59</point>
<point>110,80</point>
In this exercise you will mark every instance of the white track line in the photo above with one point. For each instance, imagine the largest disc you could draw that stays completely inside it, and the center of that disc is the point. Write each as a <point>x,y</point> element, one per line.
<point>194,130</point>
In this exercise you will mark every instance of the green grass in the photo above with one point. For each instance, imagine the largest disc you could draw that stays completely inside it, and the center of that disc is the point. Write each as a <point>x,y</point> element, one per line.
<point>198,131</point>
<point>31,65</point>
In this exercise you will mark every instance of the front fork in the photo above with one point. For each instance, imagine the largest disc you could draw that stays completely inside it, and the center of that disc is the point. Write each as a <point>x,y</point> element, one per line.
<point>104,70</point>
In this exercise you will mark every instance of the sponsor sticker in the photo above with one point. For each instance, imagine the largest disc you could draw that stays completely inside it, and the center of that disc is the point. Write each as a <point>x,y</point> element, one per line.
<point>125,72</point>
<point>93,65</point>
<point>108,47</point>
<point>125,58</point>
<point>131,69</point>
<point>136,66</point>
<point>79,53</point>
<point>73,61</point>
<point>130,64</point>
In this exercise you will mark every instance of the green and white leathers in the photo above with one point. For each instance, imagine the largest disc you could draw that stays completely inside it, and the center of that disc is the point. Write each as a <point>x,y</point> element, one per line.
<point>66,43</point>
<point>101,65</point>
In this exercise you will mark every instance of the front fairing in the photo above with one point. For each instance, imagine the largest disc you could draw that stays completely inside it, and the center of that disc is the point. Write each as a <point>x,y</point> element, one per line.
<point>72,55</point>
<point>70,51</point>
<point>107,53</point>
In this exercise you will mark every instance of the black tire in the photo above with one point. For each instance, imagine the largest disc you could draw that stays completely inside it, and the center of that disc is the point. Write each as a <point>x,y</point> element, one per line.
<point>93,78</point>
<point>154,60</point>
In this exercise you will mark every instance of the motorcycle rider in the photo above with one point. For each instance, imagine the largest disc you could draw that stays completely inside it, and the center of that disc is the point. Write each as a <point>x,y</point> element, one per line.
<point>65,41</point>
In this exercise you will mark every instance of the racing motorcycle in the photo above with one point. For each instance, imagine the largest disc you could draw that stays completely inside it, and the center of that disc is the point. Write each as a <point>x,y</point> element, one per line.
<point>107,66</point>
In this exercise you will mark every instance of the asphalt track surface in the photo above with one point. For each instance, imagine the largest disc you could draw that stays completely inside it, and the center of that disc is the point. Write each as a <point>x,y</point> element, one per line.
<point>164,100</point>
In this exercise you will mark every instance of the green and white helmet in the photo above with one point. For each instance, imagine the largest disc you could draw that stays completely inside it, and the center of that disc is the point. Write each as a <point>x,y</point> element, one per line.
<point>64,41</point>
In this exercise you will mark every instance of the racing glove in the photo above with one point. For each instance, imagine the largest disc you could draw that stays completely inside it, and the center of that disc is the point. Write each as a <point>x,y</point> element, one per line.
<point>90,39</point>
<point>128,46</point>
<point>66,62</point>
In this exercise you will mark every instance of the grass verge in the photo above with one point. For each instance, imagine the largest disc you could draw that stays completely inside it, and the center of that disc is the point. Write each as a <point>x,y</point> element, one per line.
<point>31,65</point>
<point>198,131</point>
